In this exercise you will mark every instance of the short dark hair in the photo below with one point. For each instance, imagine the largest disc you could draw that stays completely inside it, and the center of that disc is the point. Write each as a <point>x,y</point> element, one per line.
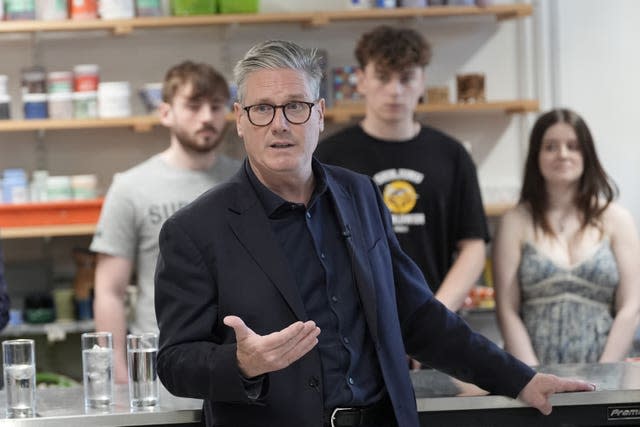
<point>595,185</point>
<point>205,81</point>
<point>393,49</point>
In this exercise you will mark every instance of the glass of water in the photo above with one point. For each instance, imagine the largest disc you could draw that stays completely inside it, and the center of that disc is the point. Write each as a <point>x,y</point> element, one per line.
<point>20,377</point>
<point>97,369</point>
<point>142,354</point>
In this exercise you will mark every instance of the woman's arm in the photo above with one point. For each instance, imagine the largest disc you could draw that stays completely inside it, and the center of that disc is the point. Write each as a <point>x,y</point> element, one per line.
<point>626,248</point>
<point>506,259</point>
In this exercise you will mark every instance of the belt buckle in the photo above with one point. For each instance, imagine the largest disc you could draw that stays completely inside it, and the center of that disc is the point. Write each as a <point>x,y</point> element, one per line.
<point>335,412</point>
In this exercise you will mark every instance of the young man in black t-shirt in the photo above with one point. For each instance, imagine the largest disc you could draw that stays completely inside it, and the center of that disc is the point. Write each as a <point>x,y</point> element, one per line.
<point>427,178</point>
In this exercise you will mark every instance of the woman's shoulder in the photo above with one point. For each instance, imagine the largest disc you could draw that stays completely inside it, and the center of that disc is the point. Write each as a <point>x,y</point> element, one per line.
<point>516,222</point>
<point>616,218</point>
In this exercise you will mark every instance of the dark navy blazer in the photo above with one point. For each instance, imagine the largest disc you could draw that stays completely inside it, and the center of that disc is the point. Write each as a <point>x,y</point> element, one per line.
<point>219,257</point>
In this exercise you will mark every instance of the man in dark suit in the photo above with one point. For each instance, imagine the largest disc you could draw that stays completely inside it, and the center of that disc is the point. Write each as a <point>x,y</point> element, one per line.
<point>283,297</point>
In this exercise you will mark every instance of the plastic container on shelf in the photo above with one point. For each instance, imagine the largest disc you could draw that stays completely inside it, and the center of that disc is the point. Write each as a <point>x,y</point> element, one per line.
<point>60,81</point>
<point>5,106</point>
<point>151,95</point>
<point>35,106</point>
<point>152,7</point>
<point>86,77</point>
<point>193,7</point>
<point>385,4</point>
<point>15,186</point>
<point>34,79</point>
<point>116,9</point>
<point>52,10</point>
<point>412,3</point>
<point>19,9</point>
<point>114,99</point>
<point>83,9</point>
<point>238,6</point>
<point>60,105</point>
<point>85,105</point>
<point>84,187</point>
<point>59,188</point>
<point>3,81</point>
<point>38,187</point>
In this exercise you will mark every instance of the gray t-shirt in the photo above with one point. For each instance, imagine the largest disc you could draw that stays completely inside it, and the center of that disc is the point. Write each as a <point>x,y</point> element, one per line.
<point>135,207</point>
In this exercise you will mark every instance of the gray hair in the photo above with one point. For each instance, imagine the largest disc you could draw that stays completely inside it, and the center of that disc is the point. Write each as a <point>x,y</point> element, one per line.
<point>277,54</point>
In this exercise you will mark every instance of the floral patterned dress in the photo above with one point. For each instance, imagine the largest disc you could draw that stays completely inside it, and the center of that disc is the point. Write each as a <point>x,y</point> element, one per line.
<point>568,312</point>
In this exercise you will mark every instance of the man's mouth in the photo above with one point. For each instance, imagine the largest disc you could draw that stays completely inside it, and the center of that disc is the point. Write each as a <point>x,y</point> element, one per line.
<point>279,145</point>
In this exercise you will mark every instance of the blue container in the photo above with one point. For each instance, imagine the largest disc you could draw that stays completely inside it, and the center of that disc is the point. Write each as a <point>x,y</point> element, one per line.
<point>14,186</point>
<point>35,106</point>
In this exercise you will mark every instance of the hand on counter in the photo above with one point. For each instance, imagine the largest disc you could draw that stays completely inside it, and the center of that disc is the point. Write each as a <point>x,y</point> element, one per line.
<point>537,392</point>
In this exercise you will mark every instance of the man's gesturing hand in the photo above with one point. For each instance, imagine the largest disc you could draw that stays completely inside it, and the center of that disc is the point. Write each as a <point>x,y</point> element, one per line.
<point>258,354</point>
<point>537,392</point>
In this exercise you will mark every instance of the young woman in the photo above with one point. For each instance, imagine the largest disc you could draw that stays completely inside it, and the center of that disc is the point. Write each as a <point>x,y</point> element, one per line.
<point>566,258</point>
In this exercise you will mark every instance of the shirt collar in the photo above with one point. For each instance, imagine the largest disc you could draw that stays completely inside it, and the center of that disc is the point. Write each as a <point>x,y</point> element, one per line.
<point>272,202</point>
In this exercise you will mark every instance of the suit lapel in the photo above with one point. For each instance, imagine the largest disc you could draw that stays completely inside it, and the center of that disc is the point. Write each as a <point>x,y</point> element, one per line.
<point>349,220</point>
<point>251,226</point>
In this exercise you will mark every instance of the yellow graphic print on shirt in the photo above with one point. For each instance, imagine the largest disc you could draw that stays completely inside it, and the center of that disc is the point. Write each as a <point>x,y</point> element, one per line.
<point>399,196</point>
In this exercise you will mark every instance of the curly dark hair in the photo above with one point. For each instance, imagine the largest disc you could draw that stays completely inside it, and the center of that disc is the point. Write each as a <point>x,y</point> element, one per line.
<point>595,185</point>
<point>393,49</point>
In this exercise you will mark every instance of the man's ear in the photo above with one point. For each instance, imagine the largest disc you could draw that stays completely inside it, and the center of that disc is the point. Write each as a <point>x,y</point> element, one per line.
<point>237,111</point>
<point>166,114</point>
<point>360,82</point>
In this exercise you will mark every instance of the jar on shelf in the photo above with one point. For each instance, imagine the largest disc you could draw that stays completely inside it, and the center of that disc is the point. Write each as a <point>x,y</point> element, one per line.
<point>60,81</point>
<point>116,9</point>
<point>52,10</point>
<point>15,186</point>
<point>59,188</point>
<point>19,9</point>
<point>85,105</point>
<point>60,105</point>
<point>84,187</point>
<point>86,77</point>
<point>114,99</point>
<point>152,7</point>
<point>83,9</point>
<point>5,106</point>
<point>35,106</point>
<point>34,80</point>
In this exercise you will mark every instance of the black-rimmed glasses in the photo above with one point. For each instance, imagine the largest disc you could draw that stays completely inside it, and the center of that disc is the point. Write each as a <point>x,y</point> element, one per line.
<point>296,112</point>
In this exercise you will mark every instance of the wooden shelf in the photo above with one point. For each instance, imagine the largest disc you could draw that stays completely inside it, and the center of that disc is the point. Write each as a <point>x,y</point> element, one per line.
<point>338,114</point>
<point>47,231</point>
<point>346,112</point>
<point>124,26</point>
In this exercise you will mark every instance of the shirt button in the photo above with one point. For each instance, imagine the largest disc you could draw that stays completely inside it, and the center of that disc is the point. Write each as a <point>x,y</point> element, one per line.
<point>346,340</point>
<point>351,381</point>
<point>313,382</point>
<point>334,298</point>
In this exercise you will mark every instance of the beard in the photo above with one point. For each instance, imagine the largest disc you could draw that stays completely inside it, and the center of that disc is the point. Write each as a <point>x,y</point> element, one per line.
<point>200,143</point>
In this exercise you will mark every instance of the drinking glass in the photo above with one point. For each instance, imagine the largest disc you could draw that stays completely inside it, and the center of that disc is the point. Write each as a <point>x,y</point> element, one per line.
<point>142,354</point>
<point>20,377</point>
<point>97,369</point>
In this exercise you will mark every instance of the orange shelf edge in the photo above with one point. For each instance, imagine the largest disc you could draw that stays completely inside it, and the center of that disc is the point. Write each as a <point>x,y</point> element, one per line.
<point>50,213</point>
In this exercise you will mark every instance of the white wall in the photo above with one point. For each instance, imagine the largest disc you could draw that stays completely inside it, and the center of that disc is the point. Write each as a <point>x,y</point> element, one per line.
<point>595,70</point>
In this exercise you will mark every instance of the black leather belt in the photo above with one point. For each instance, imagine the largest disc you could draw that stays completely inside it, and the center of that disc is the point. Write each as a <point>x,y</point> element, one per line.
<point>380,413</point>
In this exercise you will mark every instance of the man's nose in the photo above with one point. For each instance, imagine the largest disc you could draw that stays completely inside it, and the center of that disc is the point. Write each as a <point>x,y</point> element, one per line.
<point>206,113</point>
<point>279,122</point>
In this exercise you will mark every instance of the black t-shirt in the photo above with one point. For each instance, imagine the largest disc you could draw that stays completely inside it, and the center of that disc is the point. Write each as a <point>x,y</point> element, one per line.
<point>429,184</point>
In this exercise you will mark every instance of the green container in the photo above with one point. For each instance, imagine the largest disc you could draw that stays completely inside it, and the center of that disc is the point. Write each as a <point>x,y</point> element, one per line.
<point>193,7</point>
<point>238,6</point>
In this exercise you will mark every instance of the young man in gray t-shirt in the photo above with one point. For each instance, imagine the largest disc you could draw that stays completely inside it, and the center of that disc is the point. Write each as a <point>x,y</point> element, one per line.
<point>142,198</point>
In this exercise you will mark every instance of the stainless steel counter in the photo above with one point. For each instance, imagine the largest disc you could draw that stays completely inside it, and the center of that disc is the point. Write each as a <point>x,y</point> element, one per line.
<point>64,407</point>
<point>441,400</point>
<point>444,401</point>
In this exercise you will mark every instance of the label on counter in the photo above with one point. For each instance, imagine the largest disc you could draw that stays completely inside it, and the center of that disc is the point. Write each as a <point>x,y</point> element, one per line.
<point>623,413</point>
